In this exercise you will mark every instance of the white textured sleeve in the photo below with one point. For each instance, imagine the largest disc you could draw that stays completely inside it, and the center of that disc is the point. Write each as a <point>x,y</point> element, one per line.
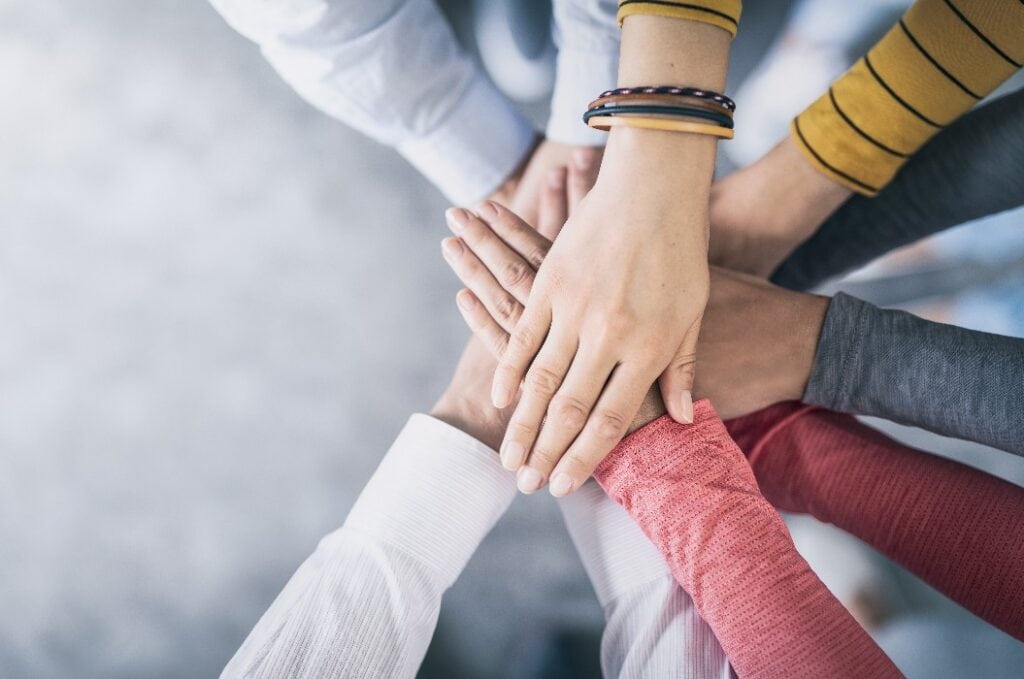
<point>366,602</point>
<point>393,70</point>
<point>652,627</point>
<point>588,63</point>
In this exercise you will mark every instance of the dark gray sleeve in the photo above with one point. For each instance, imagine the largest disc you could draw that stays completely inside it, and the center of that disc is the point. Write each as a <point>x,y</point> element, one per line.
<point>972,169</point>
<point>961,383</point>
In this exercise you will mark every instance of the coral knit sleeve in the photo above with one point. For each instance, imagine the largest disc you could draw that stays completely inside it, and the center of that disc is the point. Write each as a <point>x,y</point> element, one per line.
<point>958,529</point>
<point>937,62</point>
<point>694,495</point>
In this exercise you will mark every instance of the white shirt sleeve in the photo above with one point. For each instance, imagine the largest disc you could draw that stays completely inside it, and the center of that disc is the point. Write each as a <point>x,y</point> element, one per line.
<point>652,626</point>
<point>587,35</point>
<point>393,70</point>
<point>365,604</point>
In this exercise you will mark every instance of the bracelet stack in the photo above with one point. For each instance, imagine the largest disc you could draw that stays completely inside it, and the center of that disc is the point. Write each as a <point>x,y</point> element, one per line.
<point>681,109</point>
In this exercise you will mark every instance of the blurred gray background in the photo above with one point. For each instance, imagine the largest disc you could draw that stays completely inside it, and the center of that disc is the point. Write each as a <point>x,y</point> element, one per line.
<point>217,309</point>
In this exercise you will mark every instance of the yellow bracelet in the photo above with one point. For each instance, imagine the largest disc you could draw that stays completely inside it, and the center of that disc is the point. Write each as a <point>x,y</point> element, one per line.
<point>607,122</point>
<point>724,14</point>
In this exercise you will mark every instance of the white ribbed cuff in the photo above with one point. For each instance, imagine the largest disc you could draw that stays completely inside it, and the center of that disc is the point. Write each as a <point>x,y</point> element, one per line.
<point>616,554</point>
<point>477,147</point>
<point>581,75</point>
<point>435,495</point>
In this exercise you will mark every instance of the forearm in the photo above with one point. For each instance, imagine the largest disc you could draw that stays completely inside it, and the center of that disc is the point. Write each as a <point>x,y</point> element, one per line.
<point>971,169</point>
<point>652,628</point>
<point>394,71</point>
<point>950,380</point>
<point>366,602</point>
<point>956,528</point>
<point>695,497</point>
<point>934,65</point>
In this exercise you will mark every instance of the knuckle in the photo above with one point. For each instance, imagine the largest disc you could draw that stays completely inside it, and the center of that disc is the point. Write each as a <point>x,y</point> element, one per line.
<point>543,381</point>
<point>544,456</point>
<point>609,425</point>
<point>515,274</point>
<point>537,254</point>
<point>568,411</point>
<point>499,343</point>
<point>520,430</point>
<point>522,339</point>
<point>506,310</point>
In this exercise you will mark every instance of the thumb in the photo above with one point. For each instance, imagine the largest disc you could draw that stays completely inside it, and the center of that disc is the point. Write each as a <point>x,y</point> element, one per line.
<point>677,381</point>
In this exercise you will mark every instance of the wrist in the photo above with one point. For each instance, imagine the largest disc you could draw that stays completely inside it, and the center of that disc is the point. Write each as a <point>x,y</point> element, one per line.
<point>805,321</point>
<point>480,420</point>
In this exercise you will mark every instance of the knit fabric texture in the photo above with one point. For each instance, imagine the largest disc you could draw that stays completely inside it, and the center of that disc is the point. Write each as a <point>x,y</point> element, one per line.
<point>958,529</point>
<point>693,493</point>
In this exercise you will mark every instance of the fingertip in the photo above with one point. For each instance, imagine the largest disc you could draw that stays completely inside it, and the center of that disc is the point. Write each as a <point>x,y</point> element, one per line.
<point>451,247</point>
<point>466,299</point>
<point>529,480</point>
<point>562,484</point>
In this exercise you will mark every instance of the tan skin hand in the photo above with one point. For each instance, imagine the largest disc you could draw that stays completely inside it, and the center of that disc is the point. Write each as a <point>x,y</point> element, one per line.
<point>761,213</point>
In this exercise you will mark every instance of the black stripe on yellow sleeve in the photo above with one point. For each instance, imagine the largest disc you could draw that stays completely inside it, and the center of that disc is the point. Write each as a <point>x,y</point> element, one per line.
<point>977,32</point>
<point>923,118</point>
<point>855,128</point>
<point>826,164</point>
<point>684,5</point>
<point>935,62</point>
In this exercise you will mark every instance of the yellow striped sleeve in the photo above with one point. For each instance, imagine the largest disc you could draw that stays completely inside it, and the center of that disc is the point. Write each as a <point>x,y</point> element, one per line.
<point>937,62</point>
<point>722,13</point>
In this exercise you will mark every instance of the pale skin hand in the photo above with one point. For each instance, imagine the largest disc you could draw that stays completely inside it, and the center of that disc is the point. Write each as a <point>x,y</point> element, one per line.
<point>757,344</point>
<point>760,214</point>
<point>619,300</point>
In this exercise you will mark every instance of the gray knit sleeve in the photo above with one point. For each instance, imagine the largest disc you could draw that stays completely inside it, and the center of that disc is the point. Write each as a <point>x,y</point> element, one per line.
<point>949,380</point>
<point>972,169</point>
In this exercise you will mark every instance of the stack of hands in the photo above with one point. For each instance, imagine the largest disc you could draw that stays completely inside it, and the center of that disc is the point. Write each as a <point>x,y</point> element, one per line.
<point>575,333</point>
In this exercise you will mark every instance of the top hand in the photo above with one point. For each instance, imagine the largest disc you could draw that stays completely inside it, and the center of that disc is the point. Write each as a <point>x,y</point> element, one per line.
<point>617,302</point>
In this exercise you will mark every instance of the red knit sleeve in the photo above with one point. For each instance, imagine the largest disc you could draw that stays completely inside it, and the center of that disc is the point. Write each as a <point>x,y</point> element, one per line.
<point>694,495</point>
<point>958,529</point>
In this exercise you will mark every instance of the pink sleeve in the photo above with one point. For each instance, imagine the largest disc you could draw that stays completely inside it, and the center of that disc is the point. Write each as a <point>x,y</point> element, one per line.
<point>958,529</point>
<point>694,495</point>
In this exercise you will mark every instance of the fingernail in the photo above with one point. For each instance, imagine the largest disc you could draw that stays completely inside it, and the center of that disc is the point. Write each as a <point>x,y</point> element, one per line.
<point>452,248</point>
<point>487,209</point>
<point>457,218</point>
<point>465,300</point>
<point>501,396</point>
<point>529,480</point>
<point>561,484</point>
<point>686,407</point>
<point>512,455</point>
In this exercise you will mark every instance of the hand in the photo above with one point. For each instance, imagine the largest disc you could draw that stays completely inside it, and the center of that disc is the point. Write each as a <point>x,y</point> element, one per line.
<point>522,191</point>
<point>757,341</point>
<point>760,214</point>
<point>466,403</point>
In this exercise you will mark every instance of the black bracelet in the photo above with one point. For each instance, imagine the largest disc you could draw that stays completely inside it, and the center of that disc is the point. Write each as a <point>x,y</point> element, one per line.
<point>725,101</point>
<point>672,111</point>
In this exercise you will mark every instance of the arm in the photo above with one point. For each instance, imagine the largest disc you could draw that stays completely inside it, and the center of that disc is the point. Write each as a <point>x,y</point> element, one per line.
<point>645,282</point>
<point>393,70</point>
<point>652,627</point>
<point>366,602</point>
<point>935,64</point>
<point>946,379</point>
<point>694,495</point>
<point>972,169</point>
<point>956,528</point>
